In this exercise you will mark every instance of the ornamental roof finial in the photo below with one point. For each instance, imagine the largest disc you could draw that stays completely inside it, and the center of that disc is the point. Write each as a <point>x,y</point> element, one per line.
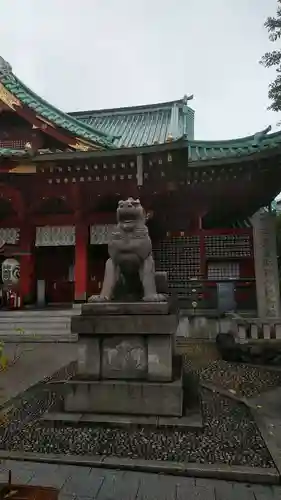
<point>5,68</point>
<point>259,136</point>
<point>187,98</point>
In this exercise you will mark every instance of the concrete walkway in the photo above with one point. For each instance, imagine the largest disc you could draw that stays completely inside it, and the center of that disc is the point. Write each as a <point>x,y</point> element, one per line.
<point>33,362</point>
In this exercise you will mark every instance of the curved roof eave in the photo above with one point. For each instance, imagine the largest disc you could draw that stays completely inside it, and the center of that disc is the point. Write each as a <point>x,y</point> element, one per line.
<point>7,152</point>
<point>43,108</point>
<point>234,149</point>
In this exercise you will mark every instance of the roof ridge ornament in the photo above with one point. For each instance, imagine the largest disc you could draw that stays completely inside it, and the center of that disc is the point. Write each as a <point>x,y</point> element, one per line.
<point>5,68</point>
<point>259,136</point>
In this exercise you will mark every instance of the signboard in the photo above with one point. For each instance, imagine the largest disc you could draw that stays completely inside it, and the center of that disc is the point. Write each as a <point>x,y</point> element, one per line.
<point>54,236</point>
<point>100,234</point>
<point>9,235</point>
<point>226,297</point>
<point>10,272</point>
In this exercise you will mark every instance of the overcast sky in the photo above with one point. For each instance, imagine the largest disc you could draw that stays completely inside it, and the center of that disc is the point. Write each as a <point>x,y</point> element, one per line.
<point>107,53</point>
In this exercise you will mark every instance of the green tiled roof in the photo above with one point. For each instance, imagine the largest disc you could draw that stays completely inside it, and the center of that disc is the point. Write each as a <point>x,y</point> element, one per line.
<point>7,152</point>
<point>46,110</point>
<point>215,150</point>
<point>137,127</point>
<point>143,125</point>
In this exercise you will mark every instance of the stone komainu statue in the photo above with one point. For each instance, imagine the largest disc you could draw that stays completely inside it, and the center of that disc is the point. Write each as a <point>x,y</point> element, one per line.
<point>130,252</point>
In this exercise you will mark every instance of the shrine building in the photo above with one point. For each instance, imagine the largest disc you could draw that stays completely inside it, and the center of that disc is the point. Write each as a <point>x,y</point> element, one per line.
<point>62,175</point>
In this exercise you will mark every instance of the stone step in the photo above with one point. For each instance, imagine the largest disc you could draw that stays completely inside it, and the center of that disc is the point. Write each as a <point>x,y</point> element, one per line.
<point>31,330</point>
<point>142,324</point>
<point>23,328</point>
<point>35,321</point>
<point>37,326</point>
<point>125,308</point>
<point>44,313</point>
<point>42,336</point>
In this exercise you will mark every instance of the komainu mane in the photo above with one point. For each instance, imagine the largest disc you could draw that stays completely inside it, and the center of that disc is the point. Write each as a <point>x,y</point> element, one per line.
<point>130,253</point>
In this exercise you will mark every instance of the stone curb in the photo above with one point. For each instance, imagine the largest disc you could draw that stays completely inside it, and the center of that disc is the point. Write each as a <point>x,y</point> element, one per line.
<point>214,471</point>
<point>268,439</point>
<point>37,339</point>
<point>192,422</point>
<point>192,340</point>
<point>224,392</point>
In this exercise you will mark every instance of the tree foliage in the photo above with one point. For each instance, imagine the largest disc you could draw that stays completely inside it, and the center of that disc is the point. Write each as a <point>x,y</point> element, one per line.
<point>273,58</point>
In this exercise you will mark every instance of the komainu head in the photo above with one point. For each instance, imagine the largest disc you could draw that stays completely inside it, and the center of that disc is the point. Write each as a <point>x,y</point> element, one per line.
<point>130,214</point>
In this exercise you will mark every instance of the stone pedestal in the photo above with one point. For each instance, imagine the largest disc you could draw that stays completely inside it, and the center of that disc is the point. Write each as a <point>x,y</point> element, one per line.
<point>125,397</point>
<point>266,267</point>
<point>125,362</point>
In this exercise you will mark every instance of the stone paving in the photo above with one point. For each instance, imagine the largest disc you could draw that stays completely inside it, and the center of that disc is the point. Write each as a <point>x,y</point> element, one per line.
<point>86,483</point>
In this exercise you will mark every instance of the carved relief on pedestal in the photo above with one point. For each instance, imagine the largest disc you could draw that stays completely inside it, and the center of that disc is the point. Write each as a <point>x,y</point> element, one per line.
<point>122,356</point>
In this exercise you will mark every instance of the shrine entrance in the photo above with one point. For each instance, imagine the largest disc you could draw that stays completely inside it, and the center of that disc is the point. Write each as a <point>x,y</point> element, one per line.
<point>97,256</point>
<point>55,266</point>
<point>54,263</point>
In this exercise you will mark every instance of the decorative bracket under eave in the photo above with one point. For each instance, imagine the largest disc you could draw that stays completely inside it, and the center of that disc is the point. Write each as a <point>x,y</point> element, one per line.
<point>9,99</point>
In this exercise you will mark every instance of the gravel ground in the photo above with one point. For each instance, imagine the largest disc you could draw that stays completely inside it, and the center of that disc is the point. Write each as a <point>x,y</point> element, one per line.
<point>31,404</point>
<point>230,436</point>
<point>244,379</point>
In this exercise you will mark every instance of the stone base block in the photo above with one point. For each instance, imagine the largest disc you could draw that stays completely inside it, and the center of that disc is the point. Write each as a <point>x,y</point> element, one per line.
<point>89,357</point>
<point>192,420</point>
<point>138,324</point>
<point>120,397</point>
<point>139,357</point>
<point>159,355</point>
<point>121,308</point>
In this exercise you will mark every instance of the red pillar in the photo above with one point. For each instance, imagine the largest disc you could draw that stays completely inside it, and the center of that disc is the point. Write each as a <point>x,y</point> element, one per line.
<point>27,264</point>
<point>81,262</point>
